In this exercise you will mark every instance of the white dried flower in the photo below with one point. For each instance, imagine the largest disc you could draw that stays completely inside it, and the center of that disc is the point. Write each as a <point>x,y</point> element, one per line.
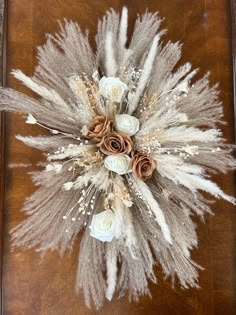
<point>31,120</point>
<point>55,132</point>
<point>128,203</point>
<point>57,168</point>
<point>111,196</point>
<point>183,87</point>
<point>127,124</point>
<point>54,167</point>
<point>49,167</point>
<point>103,226</point>
<point>119,164</point>
<point>192,149</point>
<point>84,130</point>
<point>112,88</point>
<point>67,186</point>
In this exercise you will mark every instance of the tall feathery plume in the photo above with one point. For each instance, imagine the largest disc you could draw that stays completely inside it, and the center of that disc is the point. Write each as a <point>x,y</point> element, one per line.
<point>154,207</point>
<point>147,69</point>
<point>122,39</point>
<point>110,56</point>
<point>111,263</point>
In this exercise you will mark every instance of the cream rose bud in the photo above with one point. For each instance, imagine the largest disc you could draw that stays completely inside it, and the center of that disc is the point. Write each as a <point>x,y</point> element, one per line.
<point>119,164</point>
<point>127,124</point>
<point>103,226</point>
<point>112,88</point>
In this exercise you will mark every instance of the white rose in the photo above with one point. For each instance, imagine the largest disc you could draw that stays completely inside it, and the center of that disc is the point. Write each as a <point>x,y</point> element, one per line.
<point>127,124</point>
<point>103,226</point>
<point>112,88</point>
<point>117,163</point>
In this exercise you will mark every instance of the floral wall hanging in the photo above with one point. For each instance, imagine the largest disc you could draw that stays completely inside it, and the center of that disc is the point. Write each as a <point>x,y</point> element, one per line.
<point>131,148</point>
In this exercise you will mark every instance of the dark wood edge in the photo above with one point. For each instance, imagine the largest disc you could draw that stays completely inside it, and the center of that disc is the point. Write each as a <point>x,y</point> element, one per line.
<point>3,79</point>
<point>233,43</point>
<point>233,38</point>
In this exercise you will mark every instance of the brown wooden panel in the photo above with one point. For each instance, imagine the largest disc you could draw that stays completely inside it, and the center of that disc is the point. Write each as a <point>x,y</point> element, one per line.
<point>3,36</point>
<point>233,37</point>
<point>48,288</point>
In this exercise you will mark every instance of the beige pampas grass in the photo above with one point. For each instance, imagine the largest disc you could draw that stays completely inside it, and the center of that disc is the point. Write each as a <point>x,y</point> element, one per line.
<point>149,222</point>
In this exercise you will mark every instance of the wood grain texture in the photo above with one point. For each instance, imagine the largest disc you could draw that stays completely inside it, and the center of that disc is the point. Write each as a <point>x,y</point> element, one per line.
<point>32,287</point>
<point>233,35</point>
<point>3,37</point>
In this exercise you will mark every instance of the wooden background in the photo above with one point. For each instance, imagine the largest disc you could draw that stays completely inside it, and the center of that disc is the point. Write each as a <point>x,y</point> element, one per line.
<point>31,287</point>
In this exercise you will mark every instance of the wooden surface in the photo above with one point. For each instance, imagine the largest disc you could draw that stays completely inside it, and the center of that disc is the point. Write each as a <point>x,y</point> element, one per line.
<point>2,140</point>
<point>31,287</point>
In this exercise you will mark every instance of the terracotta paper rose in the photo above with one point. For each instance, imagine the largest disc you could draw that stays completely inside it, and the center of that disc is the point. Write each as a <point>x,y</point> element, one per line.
<point>116,144</point>
<point>143,165</point>
<point>99,127</point>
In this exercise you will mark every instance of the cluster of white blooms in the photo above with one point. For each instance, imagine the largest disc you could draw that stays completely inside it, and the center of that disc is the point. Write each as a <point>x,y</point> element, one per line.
<point>114,89</point>
<point>102,226</point>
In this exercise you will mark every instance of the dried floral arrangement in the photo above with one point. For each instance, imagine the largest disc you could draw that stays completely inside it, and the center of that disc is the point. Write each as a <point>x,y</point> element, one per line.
<point>132,146</point>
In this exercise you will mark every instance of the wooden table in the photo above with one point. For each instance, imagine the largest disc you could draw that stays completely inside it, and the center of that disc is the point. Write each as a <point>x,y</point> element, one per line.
<point>47,288</point>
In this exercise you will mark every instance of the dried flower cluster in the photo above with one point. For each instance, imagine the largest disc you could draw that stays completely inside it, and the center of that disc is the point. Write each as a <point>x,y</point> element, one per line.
<point>131,146</point>
<point>113,143</point>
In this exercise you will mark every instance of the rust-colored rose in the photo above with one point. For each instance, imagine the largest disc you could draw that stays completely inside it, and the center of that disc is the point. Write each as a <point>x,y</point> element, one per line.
<point>142,165</point>
<point>116,144</point>
<point>99,127</point>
